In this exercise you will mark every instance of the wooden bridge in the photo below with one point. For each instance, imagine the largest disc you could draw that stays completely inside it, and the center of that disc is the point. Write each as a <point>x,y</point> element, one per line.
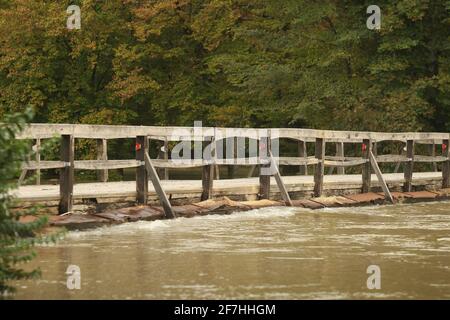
<point>262,187</point>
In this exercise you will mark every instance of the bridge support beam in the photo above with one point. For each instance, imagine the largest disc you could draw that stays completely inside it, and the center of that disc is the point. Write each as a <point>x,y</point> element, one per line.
<point>367,168</point>
<point>320,167</point>
<point>168,211</point>
<point>141,172</point>
<point>380,177</point>
<point>207,182</point>
<point>409,166</point>
<point>66,174</point>
<point>208,172</point>
<point>264,177</point>
<point>279,180</point>
<point>38,160</point>
<point>446,164</point>
<point>102,154</point>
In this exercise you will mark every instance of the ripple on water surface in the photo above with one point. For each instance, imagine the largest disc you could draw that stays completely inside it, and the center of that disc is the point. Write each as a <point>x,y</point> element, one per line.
<point>271,253</point>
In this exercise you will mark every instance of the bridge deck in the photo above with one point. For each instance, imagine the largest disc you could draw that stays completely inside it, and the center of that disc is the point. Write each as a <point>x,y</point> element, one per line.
<point>245,187</point>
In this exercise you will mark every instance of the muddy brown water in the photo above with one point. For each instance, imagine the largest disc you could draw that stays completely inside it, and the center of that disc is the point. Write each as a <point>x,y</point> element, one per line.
<point>272,253</point>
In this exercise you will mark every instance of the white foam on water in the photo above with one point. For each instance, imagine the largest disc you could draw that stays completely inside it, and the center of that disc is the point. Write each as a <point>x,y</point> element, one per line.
<point>121,229</point>
<point>295,258</point>
<point>385,210</point>
<point>184,223</point>
<point>262,213</point>
<point>147,225</point>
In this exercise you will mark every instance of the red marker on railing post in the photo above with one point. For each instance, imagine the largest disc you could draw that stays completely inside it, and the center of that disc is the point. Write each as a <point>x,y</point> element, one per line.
<point>138,146</point>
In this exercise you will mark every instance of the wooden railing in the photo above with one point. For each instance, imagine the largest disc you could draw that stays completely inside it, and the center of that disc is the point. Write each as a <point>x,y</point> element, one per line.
<point>143,134</point>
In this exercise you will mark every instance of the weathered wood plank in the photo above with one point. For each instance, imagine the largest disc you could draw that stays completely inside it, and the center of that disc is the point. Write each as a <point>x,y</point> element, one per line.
<point>343,164</point>
<point>166,157</point>
<point>66,175</point>
<point>409,166</point>
<point>367,168</point>
<point>446,164</point>
<point>391,158</point>
<point>354,136</point>
<point>141,172</point>
<point>401,158</point>
<point>433,159</point>
<point>34,131</point>
<point>319,169</point>
<point>38,161</point>
<point>240,187</point>
<point>279,180</point>
<point>336,158</point>
<point>44,165</point>
<point>170,214</point>
<point>207,182</point>
<point>86,131</point>
<point>340,153</point>
<point>264,177</point>
<point>193,163</point>
<point>178,163</point>
<point>106,164</point>
<point>380,177</point>
<point>208,171</point>
<point>102,154</point>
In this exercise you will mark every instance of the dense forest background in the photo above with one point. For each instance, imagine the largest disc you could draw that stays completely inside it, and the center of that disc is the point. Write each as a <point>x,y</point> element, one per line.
<point>245,63</point>
<point>236,63</point>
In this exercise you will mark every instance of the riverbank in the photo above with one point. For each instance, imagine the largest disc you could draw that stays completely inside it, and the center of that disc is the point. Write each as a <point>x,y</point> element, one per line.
<point>223,205</point>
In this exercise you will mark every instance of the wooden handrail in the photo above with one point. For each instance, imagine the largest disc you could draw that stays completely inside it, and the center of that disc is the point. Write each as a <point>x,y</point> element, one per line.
<point>35,131</point>
<point>266,138</point>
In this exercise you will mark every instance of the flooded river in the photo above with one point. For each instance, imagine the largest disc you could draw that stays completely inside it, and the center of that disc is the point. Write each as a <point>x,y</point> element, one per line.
<point>274,253</point>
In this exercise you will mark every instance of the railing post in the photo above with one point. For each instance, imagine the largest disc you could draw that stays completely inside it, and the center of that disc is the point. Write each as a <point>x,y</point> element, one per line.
<point>432,148</point>
<point>141,172</point>
<point>231,154</point>
<point>207,181</point>
<point>166,157</point>
<point>66,174</point>
<point>375,154</point>
<point>409,166</point>
<point>366,168</point>
<point>340,153</point>
<point>102,154</point>
<point>302,153</point>
<point>163,153</point>
<point>446,164</point>
<point>318,174</point>
<point>264,178</point>
<point>208,175</point>
<point>38,161</point>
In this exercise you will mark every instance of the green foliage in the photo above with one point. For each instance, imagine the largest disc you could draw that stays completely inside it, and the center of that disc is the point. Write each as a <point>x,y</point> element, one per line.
<point>246,63</point>
<point>252,63</point>
<point>17,237</point>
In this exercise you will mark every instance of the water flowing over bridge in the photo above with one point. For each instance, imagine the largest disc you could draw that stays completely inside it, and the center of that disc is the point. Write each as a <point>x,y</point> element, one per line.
<point>320,162</point>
